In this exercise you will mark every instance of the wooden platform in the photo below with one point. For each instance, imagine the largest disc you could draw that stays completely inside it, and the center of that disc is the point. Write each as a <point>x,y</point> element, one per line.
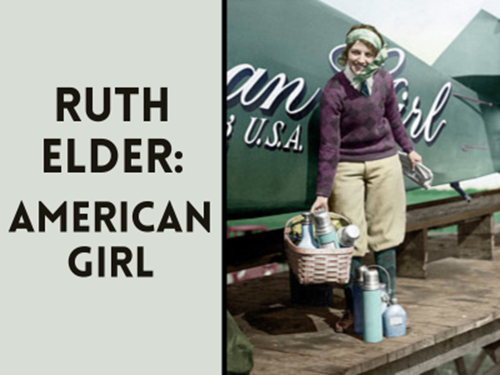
<point>453,312</point>
<point>475,222</point>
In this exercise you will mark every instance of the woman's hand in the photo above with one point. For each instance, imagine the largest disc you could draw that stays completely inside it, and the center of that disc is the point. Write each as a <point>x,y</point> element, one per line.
<point>414,157</point>
<point>321,203</point>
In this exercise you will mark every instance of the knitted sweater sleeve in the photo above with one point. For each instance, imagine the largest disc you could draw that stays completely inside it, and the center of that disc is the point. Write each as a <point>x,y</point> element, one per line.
<point>392,114</point>
<point>331,106</point>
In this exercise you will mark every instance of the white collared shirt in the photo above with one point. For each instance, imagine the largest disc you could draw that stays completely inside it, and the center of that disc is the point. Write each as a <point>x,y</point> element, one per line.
<point>350,76</point>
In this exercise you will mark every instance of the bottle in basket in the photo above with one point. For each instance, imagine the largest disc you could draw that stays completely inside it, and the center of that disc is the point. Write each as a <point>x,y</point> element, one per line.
<point>372,307</point>
<point>325,231</point>
<point>348,235</point>
<point>307,241</point>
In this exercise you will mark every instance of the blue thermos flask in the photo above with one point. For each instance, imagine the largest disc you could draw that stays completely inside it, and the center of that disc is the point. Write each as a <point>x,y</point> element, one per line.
<point>372,307</point>
<point>357,296</point>
<point>394,318</point>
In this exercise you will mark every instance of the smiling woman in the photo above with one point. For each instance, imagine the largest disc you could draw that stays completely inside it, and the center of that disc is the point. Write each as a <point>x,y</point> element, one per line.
<point>365,45</point>
<point>359,56</point>
<point>359,173</point>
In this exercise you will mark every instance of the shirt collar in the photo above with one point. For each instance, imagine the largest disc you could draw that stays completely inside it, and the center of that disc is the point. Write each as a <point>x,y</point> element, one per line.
<point>350,76</point>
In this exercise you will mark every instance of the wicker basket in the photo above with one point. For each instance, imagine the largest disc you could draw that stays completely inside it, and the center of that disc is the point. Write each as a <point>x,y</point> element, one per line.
<point>317,266</point>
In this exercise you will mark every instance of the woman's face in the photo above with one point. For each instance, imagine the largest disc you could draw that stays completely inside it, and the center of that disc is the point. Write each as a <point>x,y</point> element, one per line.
<point>359,56</point>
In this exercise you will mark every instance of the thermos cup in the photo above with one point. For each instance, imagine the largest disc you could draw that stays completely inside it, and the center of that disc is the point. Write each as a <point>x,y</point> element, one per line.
<point>348,235</point>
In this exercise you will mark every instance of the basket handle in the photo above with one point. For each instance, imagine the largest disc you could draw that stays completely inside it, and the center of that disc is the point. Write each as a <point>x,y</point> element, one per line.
<point>333,215</point>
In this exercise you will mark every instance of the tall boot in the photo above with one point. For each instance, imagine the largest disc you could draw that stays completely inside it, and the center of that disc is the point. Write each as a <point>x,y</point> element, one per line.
<point>387,259</point>
<point>346,324</point>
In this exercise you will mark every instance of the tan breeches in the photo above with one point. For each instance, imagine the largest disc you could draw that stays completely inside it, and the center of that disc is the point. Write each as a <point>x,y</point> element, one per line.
<point>372,196</point>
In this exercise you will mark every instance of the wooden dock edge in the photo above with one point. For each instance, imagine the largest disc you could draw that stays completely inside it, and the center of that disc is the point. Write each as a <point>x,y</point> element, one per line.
<point>446,351</point>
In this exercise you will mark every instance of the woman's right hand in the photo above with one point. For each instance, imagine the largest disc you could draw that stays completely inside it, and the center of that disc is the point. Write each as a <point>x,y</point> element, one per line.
<point>321,203</point>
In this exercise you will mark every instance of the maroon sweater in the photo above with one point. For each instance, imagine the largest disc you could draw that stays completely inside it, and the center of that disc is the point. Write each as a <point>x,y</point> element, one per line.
<point>357,128</point>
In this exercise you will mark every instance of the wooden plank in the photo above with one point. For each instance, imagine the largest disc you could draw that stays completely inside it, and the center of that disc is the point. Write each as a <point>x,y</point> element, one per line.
<point>492,351</point>
<point>458,304</point>
<point>274,362</point>
<point>443,352</point>
<point>478,362</point>
<point>495,370</point>
<point>460,365</point>
<point>450,212</point>
<point>439,202</point>
<point>442,245</point>
<point>413,255</point>
<point>476,238</point>
<point>330,349</point>
<point>448,304</point>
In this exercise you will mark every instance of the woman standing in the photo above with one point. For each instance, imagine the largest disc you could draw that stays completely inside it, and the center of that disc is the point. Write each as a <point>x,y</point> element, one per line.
<point>359,172</point>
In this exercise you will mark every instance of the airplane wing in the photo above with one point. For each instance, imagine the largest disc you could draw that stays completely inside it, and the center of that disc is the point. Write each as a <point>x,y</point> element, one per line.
<point>473,59</point>
<point>280,54</point>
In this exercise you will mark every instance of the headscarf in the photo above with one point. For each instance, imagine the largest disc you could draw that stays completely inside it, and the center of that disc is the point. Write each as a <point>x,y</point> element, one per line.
<point>374,39</point>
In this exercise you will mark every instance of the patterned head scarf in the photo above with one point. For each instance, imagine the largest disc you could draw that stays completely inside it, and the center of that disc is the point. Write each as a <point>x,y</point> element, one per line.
<point>374,39</point>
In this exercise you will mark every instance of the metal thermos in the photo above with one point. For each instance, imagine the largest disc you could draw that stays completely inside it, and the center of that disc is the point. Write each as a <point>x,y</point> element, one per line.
<point>357,296</point>
<point>348,235</point>
<point>307,241</point>
<point>385,289</point>
<point>394,320</point>
<point>325,231</point>
<point>372,307</point>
